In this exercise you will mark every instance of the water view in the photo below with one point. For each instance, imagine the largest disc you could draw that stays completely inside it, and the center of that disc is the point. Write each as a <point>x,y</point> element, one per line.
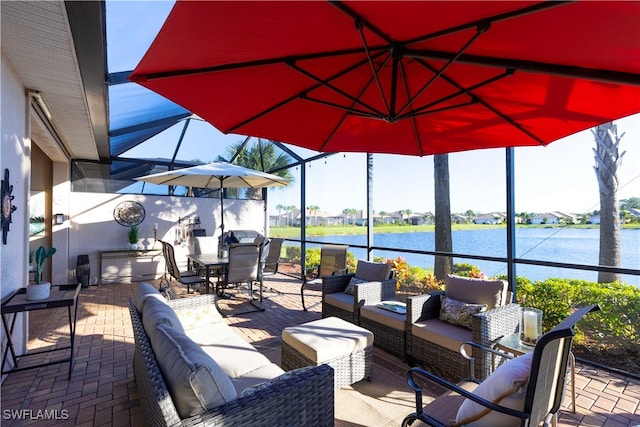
<point>569,245</point>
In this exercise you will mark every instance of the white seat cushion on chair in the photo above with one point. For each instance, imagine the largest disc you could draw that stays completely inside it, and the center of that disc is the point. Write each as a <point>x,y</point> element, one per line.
<point>443,334</point>
<point>341,300</point>
<point>506,387</point>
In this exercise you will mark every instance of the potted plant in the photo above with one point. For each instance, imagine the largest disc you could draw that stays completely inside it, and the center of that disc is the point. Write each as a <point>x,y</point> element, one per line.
<point>40,290</point>
<point>133,237</point>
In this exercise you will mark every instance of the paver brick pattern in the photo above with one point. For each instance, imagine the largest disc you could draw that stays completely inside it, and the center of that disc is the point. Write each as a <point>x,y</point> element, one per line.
<point>102,389</point>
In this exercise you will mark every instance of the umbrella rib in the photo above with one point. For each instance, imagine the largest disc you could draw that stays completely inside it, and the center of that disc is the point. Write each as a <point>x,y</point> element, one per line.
<point>344,117</point>
<point>489,107</point>
<point>351,13</point>
<point>610,76</point>
<point>461,91</point>
<point>496,18</point>
<point>414,124</point>
<point>335,89</point>
<point>373,68</point>
<point>140,78</point>
<point>344,108</point>
<point>479,30</point>
<point>294,97</point>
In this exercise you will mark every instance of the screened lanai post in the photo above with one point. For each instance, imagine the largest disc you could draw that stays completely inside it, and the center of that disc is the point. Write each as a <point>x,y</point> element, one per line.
<point>511,220</point>
<point>370,218</point>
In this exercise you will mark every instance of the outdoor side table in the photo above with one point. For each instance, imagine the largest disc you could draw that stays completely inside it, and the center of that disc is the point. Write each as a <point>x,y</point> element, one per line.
<point>61,296</point>
<point>511,344</point>
<point>387,321</point>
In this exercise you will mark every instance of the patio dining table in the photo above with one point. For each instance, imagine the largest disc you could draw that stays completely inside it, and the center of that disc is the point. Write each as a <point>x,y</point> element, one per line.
<point>208,261</point>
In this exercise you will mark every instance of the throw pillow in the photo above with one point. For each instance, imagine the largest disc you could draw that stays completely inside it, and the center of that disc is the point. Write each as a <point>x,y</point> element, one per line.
<point>352,283</point>
<point>457,312</point>
<point>506,387</point>
<point>192,318</point>
<point>195,381</point>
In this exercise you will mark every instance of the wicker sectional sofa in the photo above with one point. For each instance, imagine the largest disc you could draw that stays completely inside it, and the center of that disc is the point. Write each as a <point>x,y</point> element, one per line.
<point>191,368</point>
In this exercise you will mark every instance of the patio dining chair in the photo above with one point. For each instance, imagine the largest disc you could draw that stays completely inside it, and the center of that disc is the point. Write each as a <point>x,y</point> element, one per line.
<point>243,268</point>
<point>272,259</point>
<point>187,278</point>
<point>524,391</point>
<point>333,260</point>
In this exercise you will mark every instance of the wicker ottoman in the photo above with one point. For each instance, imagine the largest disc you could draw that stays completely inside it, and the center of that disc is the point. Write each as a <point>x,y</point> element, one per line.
<point>347,348</point>
<point>388,328</point>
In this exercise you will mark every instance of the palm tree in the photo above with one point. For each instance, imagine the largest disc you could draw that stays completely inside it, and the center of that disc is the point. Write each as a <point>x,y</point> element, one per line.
<point>444,242</point>
<point>261,157</point>
<point>608,159</point>
<point>470,215</point>
<point>279,208</point>
<point>314,209</point>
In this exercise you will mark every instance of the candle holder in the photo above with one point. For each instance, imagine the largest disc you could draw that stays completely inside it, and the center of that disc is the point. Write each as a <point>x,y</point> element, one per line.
<point>530,325</point>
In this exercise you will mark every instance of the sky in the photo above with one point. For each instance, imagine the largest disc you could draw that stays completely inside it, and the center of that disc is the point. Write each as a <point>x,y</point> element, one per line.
<point>558,177</point>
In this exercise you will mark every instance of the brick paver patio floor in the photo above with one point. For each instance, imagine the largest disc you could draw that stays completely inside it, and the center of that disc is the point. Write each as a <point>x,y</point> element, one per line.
<point>102,389</point>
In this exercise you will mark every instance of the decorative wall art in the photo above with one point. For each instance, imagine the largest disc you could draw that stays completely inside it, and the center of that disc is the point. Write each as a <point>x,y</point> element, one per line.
<point>129,213</point>
<point>7,206</point>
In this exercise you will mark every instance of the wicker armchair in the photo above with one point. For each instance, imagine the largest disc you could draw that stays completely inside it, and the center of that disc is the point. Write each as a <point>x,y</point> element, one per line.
<point>373,283</point>
<point>435,344</point>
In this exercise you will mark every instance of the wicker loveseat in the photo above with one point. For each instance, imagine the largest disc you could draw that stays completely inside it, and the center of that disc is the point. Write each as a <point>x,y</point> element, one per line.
<point>434,343</point>
<point>202,373</point>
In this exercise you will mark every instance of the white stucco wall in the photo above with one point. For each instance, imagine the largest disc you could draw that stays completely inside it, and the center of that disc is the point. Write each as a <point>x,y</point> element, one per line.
<point>92,227</point>
<point>15,156</point>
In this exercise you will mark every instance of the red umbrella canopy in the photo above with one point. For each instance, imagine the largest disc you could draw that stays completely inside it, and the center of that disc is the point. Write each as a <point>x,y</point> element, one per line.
<point>412,78</point>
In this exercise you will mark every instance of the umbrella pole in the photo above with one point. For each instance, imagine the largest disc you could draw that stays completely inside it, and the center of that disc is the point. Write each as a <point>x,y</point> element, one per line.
<point>221,210</point>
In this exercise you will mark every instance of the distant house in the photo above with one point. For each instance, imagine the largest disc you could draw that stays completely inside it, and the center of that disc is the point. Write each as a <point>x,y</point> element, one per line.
<point>545,218</point>
<point>459,219</point>
<point>490,218</point>
<point>418,218</point>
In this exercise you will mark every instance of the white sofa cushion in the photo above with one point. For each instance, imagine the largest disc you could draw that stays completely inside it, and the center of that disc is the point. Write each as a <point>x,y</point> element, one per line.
<point>506,387</point>
<point>258,376</point>
<point>235,356</point>
<point>195,381</point>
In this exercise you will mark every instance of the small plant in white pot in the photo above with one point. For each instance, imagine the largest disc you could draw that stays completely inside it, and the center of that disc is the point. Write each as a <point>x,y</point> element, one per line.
<point>133,237</point>
<point>40,290</point>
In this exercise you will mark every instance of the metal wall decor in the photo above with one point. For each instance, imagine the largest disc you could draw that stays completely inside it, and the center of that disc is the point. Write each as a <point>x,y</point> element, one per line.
<point>7,206</point>
<point>129,213</point>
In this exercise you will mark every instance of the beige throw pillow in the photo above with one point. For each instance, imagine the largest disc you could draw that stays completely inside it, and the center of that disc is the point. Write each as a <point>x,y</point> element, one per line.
<point>506,387</point>
<point>458,312</point>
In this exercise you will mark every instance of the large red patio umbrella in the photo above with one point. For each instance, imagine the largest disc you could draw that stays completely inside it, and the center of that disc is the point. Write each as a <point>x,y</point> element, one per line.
<point>412,78</point>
